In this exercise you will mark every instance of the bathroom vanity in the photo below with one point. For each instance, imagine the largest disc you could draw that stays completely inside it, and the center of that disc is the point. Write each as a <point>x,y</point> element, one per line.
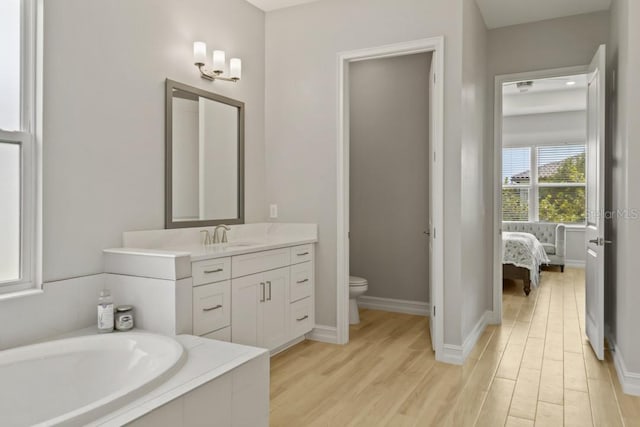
<point>257,289</point>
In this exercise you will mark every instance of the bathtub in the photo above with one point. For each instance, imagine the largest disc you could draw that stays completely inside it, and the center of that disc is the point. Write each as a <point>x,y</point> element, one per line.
<point>72,381</point>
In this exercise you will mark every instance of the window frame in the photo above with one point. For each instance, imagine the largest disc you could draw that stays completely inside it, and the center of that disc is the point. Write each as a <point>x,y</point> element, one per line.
<point>534,184</point>
<point>29,138</point>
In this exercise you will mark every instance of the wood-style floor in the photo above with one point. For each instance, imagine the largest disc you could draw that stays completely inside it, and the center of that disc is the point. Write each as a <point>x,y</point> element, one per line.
<point>535,369</point>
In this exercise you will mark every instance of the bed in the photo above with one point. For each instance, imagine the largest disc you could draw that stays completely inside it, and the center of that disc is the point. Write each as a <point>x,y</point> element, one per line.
<point>522,256</point>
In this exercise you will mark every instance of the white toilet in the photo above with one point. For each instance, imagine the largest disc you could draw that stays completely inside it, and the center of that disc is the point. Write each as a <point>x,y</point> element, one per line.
<point>357,286</point>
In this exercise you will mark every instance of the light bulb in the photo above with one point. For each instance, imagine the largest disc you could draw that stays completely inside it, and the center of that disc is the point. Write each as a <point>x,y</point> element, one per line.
<point>199,52</point>
<point>235,68</point>
<point>218,61</point>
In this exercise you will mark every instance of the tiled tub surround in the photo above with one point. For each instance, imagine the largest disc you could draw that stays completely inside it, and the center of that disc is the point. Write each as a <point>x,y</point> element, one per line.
<point>61,307</point>
<point>258,289</point>
<point>220,383</point>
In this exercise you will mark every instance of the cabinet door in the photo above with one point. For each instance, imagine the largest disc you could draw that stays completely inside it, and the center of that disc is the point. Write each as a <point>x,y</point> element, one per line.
<point>246,294</point>
<point>274,311</point>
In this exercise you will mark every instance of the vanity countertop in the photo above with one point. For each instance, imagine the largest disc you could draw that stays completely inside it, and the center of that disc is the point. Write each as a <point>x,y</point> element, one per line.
<point>218,250</point>
<point>168,253</point>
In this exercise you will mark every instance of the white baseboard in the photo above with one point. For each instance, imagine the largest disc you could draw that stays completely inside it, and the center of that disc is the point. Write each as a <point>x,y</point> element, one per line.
<point>456,354</point>
<point>629,381</point>
<point>493,318</point>
<point>394,305</point>
<point>574,263</point>
<point>286,346</point>
<point>328,334</point>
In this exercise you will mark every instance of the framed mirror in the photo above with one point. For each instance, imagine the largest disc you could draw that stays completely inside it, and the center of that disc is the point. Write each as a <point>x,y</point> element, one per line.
<point>204,176</point>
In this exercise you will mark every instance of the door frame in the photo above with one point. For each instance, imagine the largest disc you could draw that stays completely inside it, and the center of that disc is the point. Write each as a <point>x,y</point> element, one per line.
<point>435,45</point>
<point>497,169</point>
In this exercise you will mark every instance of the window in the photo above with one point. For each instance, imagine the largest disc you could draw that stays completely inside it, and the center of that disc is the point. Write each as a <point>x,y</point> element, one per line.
<point>19,173</point>
<point>516,184</point>
<point>554,192</point>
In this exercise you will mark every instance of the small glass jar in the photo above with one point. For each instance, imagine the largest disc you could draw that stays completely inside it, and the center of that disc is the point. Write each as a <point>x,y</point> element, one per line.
<point>124,317</point>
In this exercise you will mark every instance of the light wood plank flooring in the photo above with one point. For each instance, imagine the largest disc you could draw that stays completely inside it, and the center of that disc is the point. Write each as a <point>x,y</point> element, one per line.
<point>535,369</point>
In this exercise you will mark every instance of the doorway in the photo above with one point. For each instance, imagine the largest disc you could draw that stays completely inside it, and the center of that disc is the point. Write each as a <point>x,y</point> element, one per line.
<point>564,183</point>
<point>433,46</point>
<point>389,184</point>
<point>540,173</point>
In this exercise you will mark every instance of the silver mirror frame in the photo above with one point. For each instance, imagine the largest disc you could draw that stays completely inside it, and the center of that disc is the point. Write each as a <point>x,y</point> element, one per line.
<point>170,85</point>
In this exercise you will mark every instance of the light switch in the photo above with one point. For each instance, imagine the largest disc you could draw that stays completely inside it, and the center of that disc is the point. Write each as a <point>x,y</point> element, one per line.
<point>273,211</point>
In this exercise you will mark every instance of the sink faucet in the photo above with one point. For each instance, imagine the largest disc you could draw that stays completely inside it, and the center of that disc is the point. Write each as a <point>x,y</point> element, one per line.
<point>207,237</point>
<point>216,238</point>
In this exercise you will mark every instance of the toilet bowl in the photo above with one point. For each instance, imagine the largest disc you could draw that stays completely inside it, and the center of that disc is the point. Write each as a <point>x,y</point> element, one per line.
<point>357,286</point>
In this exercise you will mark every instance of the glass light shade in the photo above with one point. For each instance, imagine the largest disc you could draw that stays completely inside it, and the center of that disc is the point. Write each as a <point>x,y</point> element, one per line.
<point>199,52</point>
<point>218,60</point>
<point>235,68</point>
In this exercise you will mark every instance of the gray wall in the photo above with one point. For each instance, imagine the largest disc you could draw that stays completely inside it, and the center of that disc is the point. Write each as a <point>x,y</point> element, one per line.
<point>476,185</point>
<point>389,175</point>
<point>554,43</point>
<point>622,290</point>
<point>544,128</point>
<point>302,44</point>
<point>105,66</point>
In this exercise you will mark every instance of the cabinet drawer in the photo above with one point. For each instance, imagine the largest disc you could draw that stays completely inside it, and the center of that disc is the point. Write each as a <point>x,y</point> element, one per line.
<point>243,265</point>
<point>301,284</point>
<point>223,334</point>
<point>301,318</point>
<point>302,253</point>
<point>211,307</point>
<point>211,270</point>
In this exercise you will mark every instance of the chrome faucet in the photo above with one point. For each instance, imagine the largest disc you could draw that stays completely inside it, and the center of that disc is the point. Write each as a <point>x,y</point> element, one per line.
<point>207,237</point>
<point>216,238</point>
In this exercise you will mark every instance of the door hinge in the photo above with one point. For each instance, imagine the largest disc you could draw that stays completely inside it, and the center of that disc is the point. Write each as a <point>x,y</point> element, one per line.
<point>434,77</point>
<point>434,232</point>
<point>434,311</point>
<point>434,157</point>
<point>348,234</point>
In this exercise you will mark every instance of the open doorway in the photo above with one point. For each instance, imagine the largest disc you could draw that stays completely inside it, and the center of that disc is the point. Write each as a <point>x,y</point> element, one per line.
<point>389,185</point>
<point>541,186</point>
<point>427,232</point>
<point>550,178</point>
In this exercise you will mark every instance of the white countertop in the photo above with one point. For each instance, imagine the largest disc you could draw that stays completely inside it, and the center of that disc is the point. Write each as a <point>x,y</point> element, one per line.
<point>219,250</point>
<point>167,254</point>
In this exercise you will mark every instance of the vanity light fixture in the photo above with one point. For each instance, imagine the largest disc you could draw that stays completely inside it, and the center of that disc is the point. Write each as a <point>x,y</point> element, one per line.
<point>215,72</point>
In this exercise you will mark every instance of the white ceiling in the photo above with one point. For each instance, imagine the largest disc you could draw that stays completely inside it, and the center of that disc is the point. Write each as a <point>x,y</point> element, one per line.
<point>546,96</point>
<point>268,5</point>
<point>496,13</point>
<point>502,13</point>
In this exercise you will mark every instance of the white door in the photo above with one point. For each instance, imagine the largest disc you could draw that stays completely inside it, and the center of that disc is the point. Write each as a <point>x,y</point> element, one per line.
<point>595,240</point>
<point>430,198</point>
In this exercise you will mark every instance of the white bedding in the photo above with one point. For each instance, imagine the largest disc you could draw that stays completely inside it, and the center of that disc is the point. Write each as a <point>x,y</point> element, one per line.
<point>524,250</point>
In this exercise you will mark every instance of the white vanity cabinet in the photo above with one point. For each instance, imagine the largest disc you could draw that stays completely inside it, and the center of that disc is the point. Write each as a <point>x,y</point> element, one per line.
<point>257,290</point>
<point>267,303</point>
<point>264,314</point>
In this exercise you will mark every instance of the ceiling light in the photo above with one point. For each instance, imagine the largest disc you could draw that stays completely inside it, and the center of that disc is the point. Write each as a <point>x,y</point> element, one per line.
<point>524,86</point>
<point>571,83</point>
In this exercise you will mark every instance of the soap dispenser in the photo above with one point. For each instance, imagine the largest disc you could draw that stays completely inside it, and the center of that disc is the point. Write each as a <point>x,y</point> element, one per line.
<point>105,312</point>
